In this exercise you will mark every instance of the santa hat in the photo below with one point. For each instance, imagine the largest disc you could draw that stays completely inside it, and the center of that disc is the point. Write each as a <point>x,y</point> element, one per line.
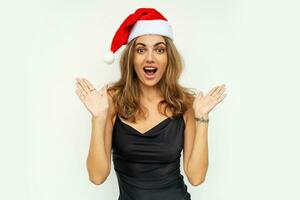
<point>142,21</point>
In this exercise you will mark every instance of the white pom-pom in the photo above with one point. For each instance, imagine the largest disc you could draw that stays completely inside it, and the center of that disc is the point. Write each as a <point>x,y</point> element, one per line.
<point>109,57</point>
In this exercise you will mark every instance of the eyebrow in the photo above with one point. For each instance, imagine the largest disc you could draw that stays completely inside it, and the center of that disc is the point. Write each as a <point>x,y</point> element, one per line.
<point>139,43</point>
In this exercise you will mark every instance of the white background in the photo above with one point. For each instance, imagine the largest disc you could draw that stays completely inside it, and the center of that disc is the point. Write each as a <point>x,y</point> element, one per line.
<point>251,46</point>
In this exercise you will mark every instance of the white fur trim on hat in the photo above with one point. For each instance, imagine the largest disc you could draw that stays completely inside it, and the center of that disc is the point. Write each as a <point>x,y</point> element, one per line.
<point>109,57</point>
<point>142,27</point>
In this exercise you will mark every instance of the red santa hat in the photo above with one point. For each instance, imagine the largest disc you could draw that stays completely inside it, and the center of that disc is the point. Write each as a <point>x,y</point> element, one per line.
<point>142,21</point>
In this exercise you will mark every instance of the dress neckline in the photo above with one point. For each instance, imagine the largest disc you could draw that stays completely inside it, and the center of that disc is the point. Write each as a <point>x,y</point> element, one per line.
<point>161,123</point>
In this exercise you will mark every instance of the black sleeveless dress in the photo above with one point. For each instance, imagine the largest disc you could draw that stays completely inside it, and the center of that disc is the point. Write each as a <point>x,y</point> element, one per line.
<point>147,165</point>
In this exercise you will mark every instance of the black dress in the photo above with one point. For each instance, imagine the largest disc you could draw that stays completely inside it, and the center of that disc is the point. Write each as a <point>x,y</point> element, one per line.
<point>147,165</point>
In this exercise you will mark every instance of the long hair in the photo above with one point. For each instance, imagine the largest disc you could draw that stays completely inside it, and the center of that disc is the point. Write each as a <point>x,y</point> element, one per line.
<point>125,92</point>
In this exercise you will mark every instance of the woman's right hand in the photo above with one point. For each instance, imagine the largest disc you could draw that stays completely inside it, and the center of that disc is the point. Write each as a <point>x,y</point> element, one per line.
<point>95,101</point>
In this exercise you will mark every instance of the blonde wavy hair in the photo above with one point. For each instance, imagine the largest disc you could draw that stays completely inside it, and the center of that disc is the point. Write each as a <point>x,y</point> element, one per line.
<point>125,92</point>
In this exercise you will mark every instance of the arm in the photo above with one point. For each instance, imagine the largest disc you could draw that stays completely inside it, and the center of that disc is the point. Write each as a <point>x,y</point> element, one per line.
<point>99,104</point>
<point>97,161</point>
<point>198,163</point>
<point>196,159</point>
<point>99,158</point>
<point>195,151</point>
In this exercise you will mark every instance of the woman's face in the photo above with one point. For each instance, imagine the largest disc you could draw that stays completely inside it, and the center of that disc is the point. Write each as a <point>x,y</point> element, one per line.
<point>150,58</point>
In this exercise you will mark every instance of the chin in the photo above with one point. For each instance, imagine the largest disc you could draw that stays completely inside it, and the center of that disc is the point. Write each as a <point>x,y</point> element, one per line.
<point>149,83</point>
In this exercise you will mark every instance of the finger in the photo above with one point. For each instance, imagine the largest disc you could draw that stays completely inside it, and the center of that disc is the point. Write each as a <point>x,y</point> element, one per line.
<point>80,95</point>
<point>82,91</point>
<point>216,91</point>
<point>89,85</point>
<point>84,86</point>
<point>79,86</point>
<point>220,91</point>
<point>222,97</point>
<point>212,90</point>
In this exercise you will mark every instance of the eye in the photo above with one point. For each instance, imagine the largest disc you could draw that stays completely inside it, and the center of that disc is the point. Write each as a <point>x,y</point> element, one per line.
<point>161,50</point>
<point>140,50</point>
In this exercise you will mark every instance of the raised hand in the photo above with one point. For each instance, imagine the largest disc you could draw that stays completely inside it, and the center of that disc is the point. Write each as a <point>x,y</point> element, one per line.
<point>95,101</point>
<point>204,104</point>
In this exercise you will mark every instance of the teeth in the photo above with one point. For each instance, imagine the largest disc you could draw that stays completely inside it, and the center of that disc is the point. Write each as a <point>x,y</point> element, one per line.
<point>149,68</point>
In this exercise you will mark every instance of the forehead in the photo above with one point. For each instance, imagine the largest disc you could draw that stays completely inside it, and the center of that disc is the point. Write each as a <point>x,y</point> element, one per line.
<point>150,39</point>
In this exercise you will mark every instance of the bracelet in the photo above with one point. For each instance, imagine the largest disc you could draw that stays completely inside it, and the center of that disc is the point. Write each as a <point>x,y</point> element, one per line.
<point>201,119</point>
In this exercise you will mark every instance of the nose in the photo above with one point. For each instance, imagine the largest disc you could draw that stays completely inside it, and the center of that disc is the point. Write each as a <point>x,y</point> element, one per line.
<point>149,58</point>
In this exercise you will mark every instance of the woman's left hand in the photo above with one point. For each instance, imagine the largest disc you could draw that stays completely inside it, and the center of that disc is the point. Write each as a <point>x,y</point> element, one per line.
<point>202,105</point>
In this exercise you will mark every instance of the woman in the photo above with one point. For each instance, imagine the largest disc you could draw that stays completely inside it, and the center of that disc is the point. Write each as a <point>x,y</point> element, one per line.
<point>146,118</point>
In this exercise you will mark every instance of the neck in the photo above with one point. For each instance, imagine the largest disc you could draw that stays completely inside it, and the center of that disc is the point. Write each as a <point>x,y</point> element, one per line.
<point>149,93</point>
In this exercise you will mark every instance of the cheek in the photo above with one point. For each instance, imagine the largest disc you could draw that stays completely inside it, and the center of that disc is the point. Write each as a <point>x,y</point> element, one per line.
<point>164,61</point>
<point>136,69</point>
<point>137,60</point>
<point>137,65</point>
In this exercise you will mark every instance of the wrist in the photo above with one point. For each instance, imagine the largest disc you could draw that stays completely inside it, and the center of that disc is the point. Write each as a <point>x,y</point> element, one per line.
<point>99,118</point>
<point>204,116</point>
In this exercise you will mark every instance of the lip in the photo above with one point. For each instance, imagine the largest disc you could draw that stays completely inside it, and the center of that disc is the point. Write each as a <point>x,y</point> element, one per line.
<point>150,76</point>
<point>150,66</point>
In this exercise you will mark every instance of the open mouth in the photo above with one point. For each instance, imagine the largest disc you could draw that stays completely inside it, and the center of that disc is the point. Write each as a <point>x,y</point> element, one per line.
<point>150,70</point>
